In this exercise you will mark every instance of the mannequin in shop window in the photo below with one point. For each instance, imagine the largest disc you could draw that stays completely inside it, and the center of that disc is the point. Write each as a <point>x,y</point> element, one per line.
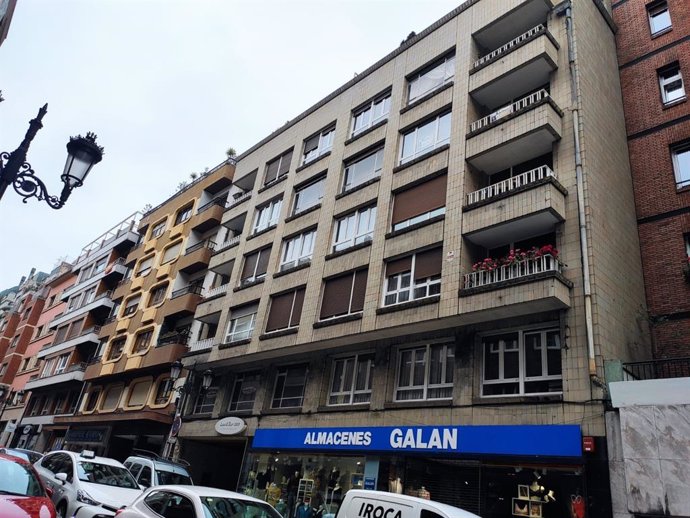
<point>291,489</point>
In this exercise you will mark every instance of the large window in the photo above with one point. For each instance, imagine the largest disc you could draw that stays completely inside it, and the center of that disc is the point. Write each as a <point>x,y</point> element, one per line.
<point>267,215</point>
<point>351,380</point>
<point>681,164</point>
<point>143,340</point>
<point>308,196</point>
<point>344,295</point>
<point>361,170</point>
<point>289,387</point>
<point>285,311</point>
<point>431,78</point>
<point>278,167</point>
<point>92,399</point>
<point>112,396</point>
<point>184,214</point>
<point>521,363</point>
<point>131,305</point>
<point>659,17</point>
<point>671,83</point>
<point>413,277</point>
<point>244,391</point>
<point>318,144</point>
<point>171,252</point>
<point>157,229</point>
<point>297,250</point>
<point>144,266</point>
<point>242,322</point>
<point>158,294</point>
<point>354,228</point>
<point>116,348</point>
<point>419,203</point>
<point>425,137</point>
<point>255,265</point>
<point>425,372</point>
<point>371,113</point>
<point>205,400</point>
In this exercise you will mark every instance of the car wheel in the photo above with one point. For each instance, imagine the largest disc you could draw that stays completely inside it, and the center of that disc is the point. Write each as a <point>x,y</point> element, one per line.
<point>61,510</point>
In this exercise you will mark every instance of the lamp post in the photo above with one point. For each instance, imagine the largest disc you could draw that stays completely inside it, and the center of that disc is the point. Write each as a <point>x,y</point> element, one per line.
<point>82,154</point>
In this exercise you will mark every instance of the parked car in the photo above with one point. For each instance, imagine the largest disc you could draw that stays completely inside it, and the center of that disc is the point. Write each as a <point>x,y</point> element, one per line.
<point>86,486</point>
<point>22,494</point>
<point>361,503</point>
<point>196,502</point>
<point>150,469</point>
<point>30,455</point>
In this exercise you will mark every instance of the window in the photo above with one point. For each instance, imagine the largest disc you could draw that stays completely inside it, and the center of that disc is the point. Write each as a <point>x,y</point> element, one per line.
<point>48,368</point>
<point>297,250</point>
<point>371,113</point>
<point>681,164</point>
<point>51,301</point>
<point>285,311</point>
<point>205,400</point>
<point>522,362</point>
<point>99,266</point>
<point>39,332</point>
<point>144,266</point>
<point>162,391</point>
<point>92,399</point>
<point>142,341</point>
<point>171,252</point>
<point>289,387</point>
<point>671,82</point>
<point>116,348</point>
<point>255,265</point>
<point>244,392</point>
<point>419,203</point>
<point>318,144</point>
<point>157,229</point>
<point>59,403</point>
<point>158,294</point>
<point>14,341</point>
<point>85,273</point>
<point>354,228</point>
<point>73,302</point>
<point>75,328</point>
<point>242,321</point>
<point>308,196</point>
<point>47,404</point>
<point>112,398</point>
<point>344,295</point>
<point>431,78</point>
<point>131,305</point>
<point>659,17</point>
<point>267,215</point>
<point>183,214</point>
<point>89,296</point>
<point>60,334</point>
<point>426,137</point>
<point>351,380</point>
<point>278,167</point>
<point>361,170</point>
<point>139,393</point>
<point>3,368</point>
<point>61,363</point>
<point>413,277</point>
<point>425,372</point>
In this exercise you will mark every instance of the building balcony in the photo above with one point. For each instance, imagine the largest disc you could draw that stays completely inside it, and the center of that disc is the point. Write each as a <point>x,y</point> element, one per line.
<point>521,65</point>
<point>196,257</point>
<point>182,301</point>
<point>516,133</point>
<point>163,354</point>
<point>228,243</point>
<point>209,215</point>
<point>72,373</point>
<point>101,304</point>
<point>121,237</point>
<point>89,335</point>
<point>202,345</point>
<point>114,269</point>
<point>136,253</point>
<point>215,292</point>
<point>238,199</point>
<point>657,369</point>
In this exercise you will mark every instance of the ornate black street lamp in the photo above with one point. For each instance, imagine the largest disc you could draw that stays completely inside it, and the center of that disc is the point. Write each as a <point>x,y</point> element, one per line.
<point>82,154</point>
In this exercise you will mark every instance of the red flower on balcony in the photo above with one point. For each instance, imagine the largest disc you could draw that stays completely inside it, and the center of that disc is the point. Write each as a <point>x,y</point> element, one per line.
<point>516,256</point>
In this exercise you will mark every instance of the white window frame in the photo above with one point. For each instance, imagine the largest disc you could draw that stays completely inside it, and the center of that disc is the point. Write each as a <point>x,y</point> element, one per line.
<point>419,218</point>
<point>183,214</point>
<point>374,112</point>
<point>204,399</point>
<point>158,229</point>
<point>409,287</point>
<point>297,250</point>
<point>358,227</point>
<point>655,12</point>
<point>668,77</point>
<point>254,277</point>
<point>351,392</point>
<point>321,182</point>
<point>283,373</point>
<point>233,334</point>
<point>448,354</point>
<point>239,385</point>
<point>48,368</point>
<point>437,142</point>
<point>326,138</point>
<point>682,176</point>
<point>351,167</point>
<point>61,364</point>
<point>445,65</point>
<point>267,215</point>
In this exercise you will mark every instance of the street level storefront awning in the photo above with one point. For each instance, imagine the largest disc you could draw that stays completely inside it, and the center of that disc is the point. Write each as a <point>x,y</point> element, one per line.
<point>518,440</point>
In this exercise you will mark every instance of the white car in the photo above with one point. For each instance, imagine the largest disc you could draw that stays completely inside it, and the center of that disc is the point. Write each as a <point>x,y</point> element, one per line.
<point>86,486</point>
<point>152,470</point>
<point>196,502</point>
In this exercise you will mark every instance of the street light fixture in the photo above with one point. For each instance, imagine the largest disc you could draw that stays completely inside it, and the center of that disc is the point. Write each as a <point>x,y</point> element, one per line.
<point>176,370</point>
<point>82,154</point>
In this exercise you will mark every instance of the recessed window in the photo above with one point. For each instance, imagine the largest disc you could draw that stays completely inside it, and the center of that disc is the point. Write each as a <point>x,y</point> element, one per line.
<point>267,215</point>
<point>297,250</point>
<point>116,348</point>
<point>351,380</point>
<point>61,363</point>
<point>371,113</point>
<point>255,265</point>
<point>671,83</point>
<point>354,228</point>
<point>99,266</point>
<point>289,388</point>
<point>158,294</point>
<point>75,328</point>
<point>244,391</point>
<point>242,322</point>
<point>205,400</point>
<point>142,341</point>
<point>431,78</point>
<point>139,393</point>
<point>183,214</point>
<point>278,167</point>
<point>419,203</point>
<point>171,252</point>
<point>92,399</point>
<point>163,391</point>
<point>112,397</point>
<point>425,137</point>
<point>425,373</point>
<point>413,277</point>
<point>344,295</point>
<point>318,144</point>
<point>48,368</point>
<point>285,311</point>
<point>60,334</point>
<point>131,305</point>
<point>144,266</point>
<point>681,164</point>
<point>659,17</point>
<point>361,170</point>
<point>308,196</point>
<point>157,229</point>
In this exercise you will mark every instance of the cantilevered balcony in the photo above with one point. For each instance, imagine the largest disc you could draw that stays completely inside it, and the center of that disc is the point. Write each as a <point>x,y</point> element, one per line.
<point>209,215</point>
<point>196,257</point>
<point>515,133</point>
<point>89,335</point>
<point>202,345</point>
<point>228,243</point>
<point>72,373</point>
<point>182,302</point>
<point>101,304</point>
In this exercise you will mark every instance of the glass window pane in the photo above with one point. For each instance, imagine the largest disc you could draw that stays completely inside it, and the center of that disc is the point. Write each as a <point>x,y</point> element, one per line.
<point>553,353</point>
<point>533,355</point>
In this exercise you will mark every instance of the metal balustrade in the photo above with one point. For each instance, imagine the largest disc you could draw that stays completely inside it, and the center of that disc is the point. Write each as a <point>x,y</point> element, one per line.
<point>201,345</point>
<point>206,243</point>
<point>657,369</point>
<point>517,270</point>
<point>226,244</point>
<point>518,105</point>
<point>503,49</point>
<point>218,290</point>
<point>239,199</point>
<point>510,184</point>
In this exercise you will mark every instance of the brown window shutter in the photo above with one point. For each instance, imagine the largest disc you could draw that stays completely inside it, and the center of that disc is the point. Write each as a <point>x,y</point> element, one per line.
<point>297,307</point>
<point>264,256</point>
<point>359,290</point>
<point>398,266</point>
<point>285,163</point>
<point>422,198</point>
<point>428,263</point>
<point>249,264</point>
<point>272,171</point>
<point>336,296</point>
<point>279,314</point>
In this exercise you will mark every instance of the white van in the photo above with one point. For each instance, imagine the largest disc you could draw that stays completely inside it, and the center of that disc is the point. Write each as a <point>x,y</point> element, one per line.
<point>362,503</point>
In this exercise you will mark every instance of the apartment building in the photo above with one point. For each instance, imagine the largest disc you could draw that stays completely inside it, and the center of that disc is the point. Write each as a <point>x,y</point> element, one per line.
<point>127,401</point>
<point>427,271</point>
<point>649,429</point>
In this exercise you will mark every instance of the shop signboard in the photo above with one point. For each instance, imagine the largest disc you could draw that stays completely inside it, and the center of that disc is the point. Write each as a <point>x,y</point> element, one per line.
<point>526,440</point>
<point>86,435</point>
<point>230,426</point>
<point>369,482</point>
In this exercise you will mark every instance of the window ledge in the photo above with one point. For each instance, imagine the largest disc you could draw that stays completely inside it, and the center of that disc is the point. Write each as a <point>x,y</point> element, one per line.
<point>366,131</point>
<point>337,320</point>
<point>417,403</point>
<point>421,158</point>
<point>261,232</point>
<point>228,345</point>
<point>662,32</point>
<point>358,187</point>
<point>355,407</point>
<point>279,333</point>
<point>293,269</point>
<point>359,246</point>
<point>279,411</point>
<point>408,305</point>
<point>300,214</point>
<point>312,162</point>
<point>426,97</point>
<point>248,285</point>
<point>238,413</point>
<point>416,226</point>
<point>274,182</point>
<point>671,104</point>
<point>503,400</point>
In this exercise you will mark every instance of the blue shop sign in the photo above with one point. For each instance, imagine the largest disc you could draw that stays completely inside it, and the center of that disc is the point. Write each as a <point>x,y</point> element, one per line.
<point>532,440</point>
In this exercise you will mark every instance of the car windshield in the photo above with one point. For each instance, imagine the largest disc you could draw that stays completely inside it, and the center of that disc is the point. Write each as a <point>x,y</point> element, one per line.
<point>16,479</point>
<point>166,478</point>
<point>16,453</point>
<point>34,456</point>
<point>218,507</point>
<point>105,474</point>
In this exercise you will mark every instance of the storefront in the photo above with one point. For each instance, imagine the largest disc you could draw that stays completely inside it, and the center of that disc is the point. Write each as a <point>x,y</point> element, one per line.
<point>493,471</point>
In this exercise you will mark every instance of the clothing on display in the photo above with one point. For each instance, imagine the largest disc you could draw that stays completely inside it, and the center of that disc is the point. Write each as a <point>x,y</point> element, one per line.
<point>395,486</point>
<point>273,494</point>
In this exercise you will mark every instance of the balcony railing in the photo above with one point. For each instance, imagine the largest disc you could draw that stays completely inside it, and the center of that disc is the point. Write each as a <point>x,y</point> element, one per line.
<point>657,369</point>
<point>239,199</point>
<point>84,332</point>
<point>173,338</point>
<point>517,270</point>
<point>206,243</point>
<point>106,294</point>
<point>226,244</point>
<point>214,292</point>
<point>194,289</point>
<point>220,201</point>
<point>518,105</point>
<point>509,46</point>
<point>509,184</point>
<point>201,345</point>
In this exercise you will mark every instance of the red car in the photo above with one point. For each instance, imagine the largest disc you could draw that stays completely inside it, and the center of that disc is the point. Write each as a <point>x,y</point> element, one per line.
<point>22,494</point>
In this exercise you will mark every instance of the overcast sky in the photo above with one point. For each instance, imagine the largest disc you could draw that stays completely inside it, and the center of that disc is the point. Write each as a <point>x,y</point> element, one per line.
<point>168,86</point>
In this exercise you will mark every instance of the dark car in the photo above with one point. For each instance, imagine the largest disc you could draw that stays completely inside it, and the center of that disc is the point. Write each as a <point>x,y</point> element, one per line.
<point>22,494</point>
